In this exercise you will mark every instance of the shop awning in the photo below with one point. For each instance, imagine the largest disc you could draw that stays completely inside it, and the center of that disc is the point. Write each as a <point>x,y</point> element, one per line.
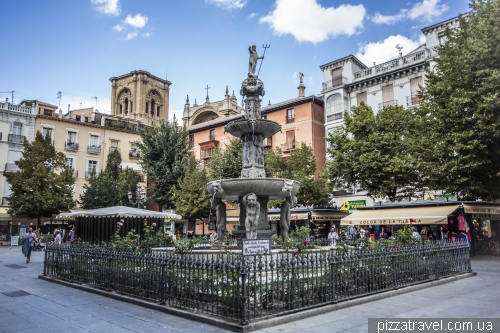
<point>327,216</point>
<point>118,211</point>
<point>296,216</point>
<point>407,215</point>
<point>483,211</point>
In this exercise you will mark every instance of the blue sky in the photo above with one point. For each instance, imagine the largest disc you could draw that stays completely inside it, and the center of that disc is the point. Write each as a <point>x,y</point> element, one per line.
<point>76,46</point>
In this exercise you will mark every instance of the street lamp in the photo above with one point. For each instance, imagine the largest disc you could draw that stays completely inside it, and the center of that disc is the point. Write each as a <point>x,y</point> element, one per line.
<point>139,197</point>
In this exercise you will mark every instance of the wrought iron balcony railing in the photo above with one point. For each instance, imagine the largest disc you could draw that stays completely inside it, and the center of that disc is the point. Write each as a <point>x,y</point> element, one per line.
<point>72,146</point>
<point>387,103</point>
<point>11,167</point>
<point>412,100</point>
<point>94,149</point>
<point>16,138</point>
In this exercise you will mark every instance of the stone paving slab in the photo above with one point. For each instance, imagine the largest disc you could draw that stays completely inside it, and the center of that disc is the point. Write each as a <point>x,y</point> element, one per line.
<point>56,308</point>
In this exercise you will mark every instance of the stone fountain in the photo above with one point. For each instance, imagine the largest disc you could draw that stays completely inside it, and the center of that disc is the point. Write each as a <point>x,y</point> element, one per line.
<point>253,190</point>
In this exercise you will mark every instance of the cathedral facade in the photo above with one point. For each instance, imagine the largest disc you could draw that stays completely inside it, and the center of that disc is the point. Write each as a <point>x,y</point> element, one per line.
<point>140,96</point>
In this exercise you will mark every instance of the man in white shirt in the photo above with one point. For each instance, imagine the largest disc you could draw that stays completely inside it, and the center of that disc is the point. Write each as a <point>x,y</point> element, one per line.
<point>333,237</point>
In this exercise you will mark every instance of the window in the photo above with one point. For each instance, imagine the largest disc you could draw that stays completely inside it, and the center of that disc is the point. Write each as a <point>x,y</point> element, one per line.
<point>414,87</point>
<point>114,146</point>
<point>290,115</point>
<point>71,138</point>
<point>336,77</point>
<point>94,141</point>
<point>361,98</point>
<point>206,153</point>
<point>290,140</point>
<point>387,95</point>
<point>70,162</point>
<point>157,111</point>
<point>441,37</point>
<point>334,104</point>
<point>153,107</point>
<point>126,105</point>
<point>17,128</point>
<point>263,116</point>
<point>212,135</point>
<point>47,131</point>
<point>78,118</point>
<point>335,116</point>
<point>92,165</point>
<point>133,150</point>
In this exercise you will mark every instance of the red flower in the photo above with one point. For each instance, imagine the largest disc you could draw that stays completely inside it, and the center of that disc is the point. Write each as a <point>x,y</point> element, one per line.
<point>305,242</point>
<point>144,246</point>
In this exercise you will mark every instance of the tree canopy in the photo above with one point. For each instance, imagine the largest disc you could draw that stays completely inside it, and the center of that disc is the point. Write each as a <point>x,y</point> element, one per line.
<point>375,151</point>
<point>163,151</point>
<point>109,187</point>
<point>461,106</point>
<point>191,195</point>
<point>44,184</point>
<point>300,165</point>
<point>226,162</point>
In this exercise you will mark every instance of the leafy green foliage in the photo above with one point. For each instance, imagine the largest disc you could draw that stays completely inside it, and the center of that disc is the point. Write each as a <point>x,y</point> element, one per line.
<point>164,149</point>
<point>376,152</point>
<point>226,163</point>
<point>299,166</point>
<point>190,194</point>
<point>43,186</point>
<point>461,106</point>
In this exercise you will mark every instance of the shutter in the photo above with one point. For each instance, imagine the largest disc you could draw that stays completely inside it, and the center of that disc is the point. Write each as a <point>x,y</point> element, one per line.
<point>290,137</point>
<point>361,98</point>
<point>336,73</point>
<point>414,85</point>
<point>387,95</point>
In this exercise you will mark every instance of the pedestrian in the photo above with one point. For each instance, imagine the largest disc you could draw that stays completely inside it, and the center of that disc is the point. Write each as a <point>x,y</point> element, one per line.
<point>57,238</point>
<point>72,236</point>
<point>30,237</point>
<point>415,233</point>
<point>333,237</point>
<point>462,237</point>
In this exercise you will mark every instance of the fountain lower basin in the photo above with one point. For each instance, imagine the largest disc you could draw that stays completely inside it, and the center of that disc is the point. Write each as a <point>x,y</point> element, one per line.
<point>272,188</point>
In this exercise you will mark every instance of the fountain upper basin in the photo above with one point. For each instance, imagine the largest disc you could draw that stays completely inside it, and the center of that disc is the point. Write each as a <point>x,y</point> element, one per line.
<point>233,189</point>
<point>238,128</point>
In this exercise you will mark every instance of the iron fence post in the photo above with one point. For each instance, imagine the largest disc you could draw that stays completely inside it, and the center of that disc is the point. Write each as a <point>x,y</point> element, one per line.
<point>45,262</point>
<point>332,279</point>
<point>162,288</point>
<point>244,298</point>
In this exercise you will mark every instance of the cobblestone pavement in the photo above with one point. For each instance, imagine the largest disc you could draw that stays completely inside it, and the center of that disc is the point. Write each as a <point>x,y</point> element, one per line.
<point>50,307</point>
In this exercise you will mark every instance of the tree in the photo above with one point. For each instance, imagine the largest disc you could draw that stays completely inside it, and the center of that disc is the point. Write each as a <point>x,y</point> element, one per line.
<point>376,152</point>
<point>299,166</point>
<point>191,194</point>
<point>44,184</point>
<point>164,149</point>
<point>226,163</point>
<point>110,187</point>
<point>460,106</point>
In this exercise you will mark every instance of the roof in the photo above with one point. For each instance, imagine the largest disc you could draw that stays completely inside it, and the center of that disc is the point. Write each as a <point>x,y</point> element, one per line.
<point>349,57</point>
<point>118,211</point>
<point>39,103</point>
<point>444,22</point>
<point>140,72</point>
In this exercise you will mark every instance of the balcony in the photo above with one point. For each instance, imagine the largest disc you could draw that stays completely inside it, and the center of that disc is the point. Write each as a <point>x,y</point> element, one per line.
<point>412,100</point>
<point>133,153</point>
<point>335,82</point>
<point>290,119</point>
<point>16,138</point>
<point>391,65</point>
<point>5,201</point>
<point>287,146</point>
<point>94,149</point>
<point>335,116</point>
<point>17,108</point>
<point>11,167</point>
<point>73,146</point>
<point>206,153</point>
<point>394,102</point>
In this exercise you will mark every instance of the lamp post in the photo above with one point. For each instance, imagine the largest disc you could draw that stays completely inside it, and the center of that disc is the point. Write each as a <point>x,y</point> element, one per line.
<point>139,197</point>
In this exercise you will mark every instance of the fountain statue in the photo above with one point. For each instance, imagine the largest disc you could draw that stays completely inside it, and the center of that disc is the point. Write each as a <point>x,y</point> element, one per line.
<point>253,189</point>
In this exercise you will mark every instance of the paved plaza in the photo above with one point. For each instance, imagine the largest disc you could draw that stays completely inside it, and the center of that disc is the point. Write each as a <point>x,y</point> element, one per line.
<point>34,305</point>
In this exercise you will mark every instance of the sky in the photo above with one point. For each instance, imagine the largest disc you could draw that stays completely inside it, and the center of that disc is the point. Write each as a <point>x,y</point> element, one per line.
<point>76,46</point>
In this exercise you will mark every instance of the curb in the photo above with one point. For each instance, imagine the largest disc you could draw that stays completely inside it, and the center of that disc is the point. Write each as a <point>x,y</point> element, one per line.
<point>283,319</point>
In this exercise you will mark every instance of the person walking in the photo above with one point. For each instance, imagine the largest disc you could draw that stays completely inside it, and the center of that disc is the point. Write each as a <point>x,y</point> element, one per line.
<point>57,238</point>
<point>30,237</point>
<point>333,237</point>
<point>72,236</point>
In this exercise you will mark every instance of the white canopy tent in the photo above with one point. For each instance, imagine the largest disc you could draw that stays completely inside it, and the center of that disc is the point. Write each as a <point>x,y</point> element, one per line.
<point>118,211</point>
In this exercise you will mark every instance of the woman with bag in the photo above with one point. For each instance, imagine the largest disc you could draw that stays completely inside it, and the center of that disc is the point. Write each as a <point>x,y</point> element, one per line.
<point>30,237</point>
<point>57,238</point>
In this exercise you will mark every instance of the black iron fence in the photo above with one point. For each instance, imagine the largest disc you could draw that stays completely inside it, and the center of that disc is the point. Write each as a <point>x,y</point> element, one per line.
<point>245,289</point>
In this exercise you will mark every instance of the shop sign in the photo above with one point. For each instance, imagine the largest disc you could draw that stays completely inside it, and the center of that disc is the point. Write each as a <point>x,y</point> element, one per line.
<point>350,205</point>
<point>482,210</point>
<point>252,247</point>
<point>387,221</point>
<point>486,216</point>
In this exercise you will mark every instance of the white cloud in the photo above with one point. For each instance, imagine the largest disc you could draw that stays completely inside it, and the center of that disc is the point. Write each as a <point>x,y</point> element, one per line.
<point>111,7</point>
<point>131,35</point>
<point>118,27</point>
<point>428,10</point>
<point>310,80</point>
<point>251,16</point>
<point>385,50</point>
<point>228,4</point>
<point>137,21</point>
<point>308,21</point>
<point>147,34</point>
<point>389,19</point>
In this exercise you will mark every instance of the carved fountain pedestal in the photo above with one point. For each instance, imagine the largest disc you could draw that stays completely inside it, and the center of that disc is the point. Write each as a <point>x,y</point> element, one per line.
<point>252,131</point>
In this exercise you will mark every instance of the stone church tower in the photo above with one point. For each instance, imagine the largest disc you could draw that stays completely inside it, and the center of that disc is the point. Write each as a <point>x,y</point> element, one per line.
<point>140,96</point>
